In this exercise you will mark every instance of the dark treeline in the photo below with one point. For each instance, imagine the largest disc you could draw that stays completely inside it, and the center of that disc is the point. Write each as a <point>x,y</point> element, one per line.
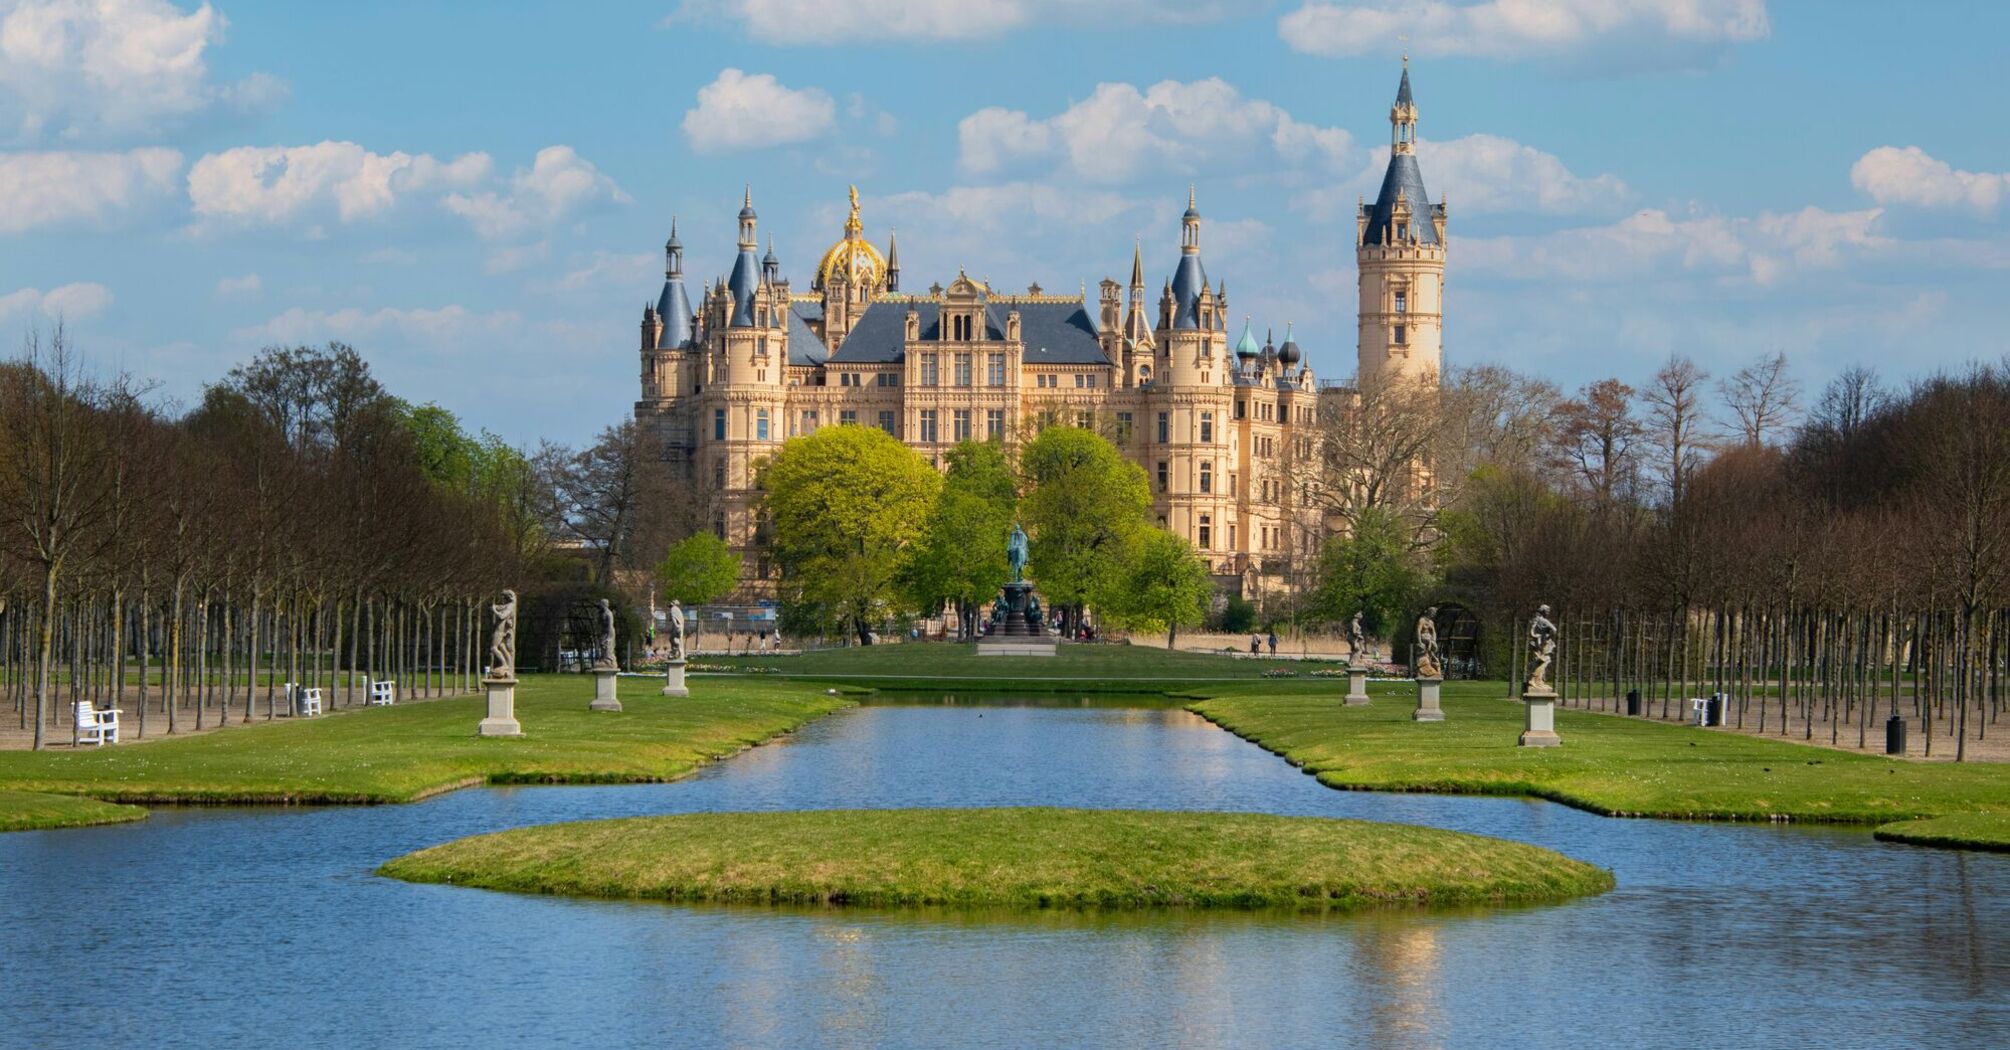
<point>1825,571</point>
<point>299,524</point>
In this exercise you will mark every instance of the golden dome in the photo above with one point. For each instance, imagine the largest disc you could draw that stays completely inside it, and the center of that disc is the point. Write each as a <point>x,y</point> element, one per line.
<point>853,257</point>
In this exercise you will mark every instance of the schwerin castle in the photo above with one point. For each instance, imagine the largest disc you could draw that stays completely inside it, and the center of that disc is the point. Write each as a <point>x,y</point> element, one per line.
<point>1220,428</point>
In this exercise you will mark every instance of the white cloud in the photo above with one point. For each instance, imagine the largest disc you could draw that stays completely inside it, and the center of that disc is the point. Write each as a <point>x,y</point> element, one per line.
<point>277,184</point>
<point>740,111</point>
<point>1119,132</point>
<point>1482,174</point>
<point>1764,249</point>
<point>69,302</point>
<point>49,189</point>
<point>1676,32</point>
<point>446,326</point>
<point>1910,176</point>
<point>612,270</point>
<point>243,287</point>
<point>82,67</point>
<point>997,209</point>
<point>832,22</point>
<point>558,184</point>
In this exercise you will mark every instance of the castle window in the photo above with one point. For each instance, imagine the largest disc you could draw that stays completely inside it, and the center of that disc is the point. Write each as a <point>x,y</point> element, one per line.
<point>1081,379</point>
<point>928,434</point>
<point>995,370</point>
<point>848,417</point>
<point>961,424</point>
<point>719,424</point>
<point>1241,409</point>
<point>1206,533</point>
<point>1231,484</point>
<point>810,421</point>
<point>1165,429</point>
<point>1402,301</point>
<point>1164,476</point>
<point>719,473</point>
<point>960,327</point>
<point>887,424</point>
<point>1402,335</point>
<point>929,373</point>
<point>1207,475</point>
<point>962,369</point>
<point>719,525</point>
<point>1085,420</point>
<point>1402,231</point>
<point>1207,428</point>
<point>1231,535</point>
<point>994,424</point>
<point>761,425</point>
<point>1123,428</point>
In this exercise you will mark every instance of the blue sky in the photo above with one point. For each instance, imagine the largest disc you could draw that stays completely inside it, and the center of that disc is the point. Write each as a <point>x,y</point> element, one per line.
<point>476,195</point>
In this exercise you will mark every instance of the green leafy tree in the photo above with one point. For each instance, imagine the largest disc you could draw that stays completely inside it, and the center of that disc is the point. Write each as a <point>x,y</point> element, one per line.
<point>961,557</point>
<point>1373,570</point>
<point>1086,509</point>
<point>846,505</point>
<point>699,570</point>
<point>1164,587</point>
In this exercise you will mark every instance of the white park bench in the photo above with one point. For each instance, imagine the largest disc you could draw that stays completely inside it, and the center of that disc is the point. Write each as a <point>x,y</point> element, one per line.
<point>95,726</point>
<point>383,693</point>
<point>306,701</point>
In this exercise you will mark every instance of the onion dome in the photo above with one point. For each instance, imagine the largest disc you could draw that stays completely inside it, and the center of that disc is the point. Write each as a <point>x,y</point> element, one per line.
<point>1246,347</point>
<point>853,257</point>
<point>1289,355</point>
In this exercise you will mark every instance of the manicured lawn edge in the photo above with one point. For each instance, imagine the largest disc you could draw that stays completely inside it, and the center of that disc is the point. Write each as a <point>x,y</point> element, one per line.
<point>39,811</point>
<point>1989,832</point>
<point>1012,858</point>
<point>415,751</point>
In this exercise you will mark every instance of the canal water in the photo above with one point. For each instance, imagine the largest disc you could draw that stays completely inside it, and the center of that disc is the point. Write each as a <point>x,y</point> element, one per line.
<point>264,927</point>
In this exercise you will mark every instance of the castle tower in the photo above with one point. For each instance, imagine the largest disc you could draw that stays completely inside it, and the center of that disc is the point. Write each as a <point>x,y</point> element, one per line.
<point>1400,254</point>
<point>1193,391</point>
<point>850,274</point>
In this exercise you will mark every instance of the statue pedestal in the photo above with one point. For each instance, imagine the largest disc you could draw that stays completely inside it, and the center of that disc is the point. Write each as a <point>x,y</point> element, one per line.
<point>1540,730</point>
<point>1427,701</point>
<point>502,709</point>
<point>1357,686</point>
<point>673,679</point>
<point>1020,632</point>
<point>603,690</point>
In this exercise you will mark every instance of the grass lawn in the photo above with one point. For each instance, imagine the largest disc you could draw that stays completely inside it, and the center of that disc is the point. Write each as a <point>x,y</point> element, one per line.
<point>34,810</point>
<point>1075,668</point>
<point>1615,766</point>
<point>1984,831</point>
<point>397,754</point>
<point>1008,857</point>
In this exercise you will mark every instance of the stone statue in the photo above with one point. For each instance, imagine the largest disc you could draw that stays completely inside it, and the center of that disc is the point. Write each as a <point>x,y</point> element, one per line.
<point>1541,651</point>
<point>1033,615</point>
<point>1357,640</point>
<point>676,630</point>
<point>1015,553</point>
<point>502,644</point>
<point>1428,665</point>
<point>607,660</point>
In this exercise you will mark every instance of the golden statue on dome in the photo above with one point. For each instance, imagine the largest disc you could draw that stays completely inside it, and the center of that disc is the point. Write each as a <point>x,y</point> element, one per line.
<point>853,258</point>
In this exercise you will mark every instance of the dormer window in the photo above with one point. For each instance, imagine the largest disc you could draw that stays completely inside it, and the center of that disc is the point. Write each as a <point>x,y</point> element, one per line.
<point>1402,231</point>
<point>960,328</point>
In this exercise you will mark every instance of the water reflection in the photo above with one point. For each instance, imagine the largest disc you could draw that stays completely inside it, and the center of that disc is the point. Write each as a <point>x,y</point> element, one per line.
<point>240,927</point>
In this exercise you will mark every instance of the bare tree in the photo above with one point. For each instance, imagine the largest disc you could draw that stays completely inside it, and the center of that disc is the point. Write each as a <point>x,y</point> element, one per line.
<point>1675,422</point>
<point>1763,398</point>
<point>1597,439</point>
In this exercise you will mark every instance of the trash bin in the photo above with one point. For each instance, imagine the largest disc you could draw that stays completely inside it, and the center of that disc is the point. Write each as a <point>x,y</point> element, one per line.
<point>1714,714</point>
<point>1633,702</point>
<point>1894,735</point>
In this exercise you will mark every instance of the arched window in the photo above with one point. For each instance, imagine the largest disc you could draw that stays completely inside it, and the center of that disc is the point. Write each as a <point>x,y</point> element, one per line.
<point>1207,475</point>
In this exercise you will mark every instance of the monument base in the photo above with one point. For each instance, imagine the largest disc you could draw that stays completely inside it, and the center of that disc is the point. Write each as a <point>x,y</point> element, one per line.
<point>502,709</point>
<point>604,698</point>
<point>673,679</point>
<point>1019,645</point>
<point>1427,701</point>
<point>1357,686</point>
<point>1540,728</point>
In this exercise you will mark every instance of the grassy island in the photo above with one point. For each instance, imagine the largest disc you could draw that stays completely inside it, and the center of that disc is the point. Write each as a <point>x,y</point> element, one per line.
<point>35,810</point>
<point>407,752</point>
<point>1609,765</point>
<point>1008,858</point>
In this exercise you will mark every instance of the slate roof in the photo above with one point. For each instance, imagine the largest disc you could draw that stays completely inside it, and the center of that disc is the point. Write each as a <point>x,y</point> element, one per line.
<point>1403,176</point>
<point>746,278</point>
<point>1189,280</point>
<point>804,346</point>
<point>1053,333</point>
<point>675,310</point>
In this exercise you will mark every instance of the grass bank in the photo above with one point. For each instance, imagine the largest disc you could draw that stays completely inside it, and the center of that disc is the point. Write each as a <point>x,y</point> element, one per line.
<point>35,810</point>
<point>1074,668</point>
<point>1608,765</point>
<point>1979,831</point>
<point>1008,857</point>
<point>402,753</point>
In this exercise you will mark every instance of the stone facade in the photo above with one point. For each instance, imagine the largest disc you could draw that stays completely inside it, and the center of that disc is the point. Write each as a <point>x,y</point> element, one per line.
<point>1220,428</point>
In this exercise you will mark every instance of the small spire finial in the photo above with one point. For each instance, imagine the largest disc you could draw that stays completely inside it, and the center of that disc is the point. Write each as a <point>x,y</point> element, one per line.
<point>748,200</point>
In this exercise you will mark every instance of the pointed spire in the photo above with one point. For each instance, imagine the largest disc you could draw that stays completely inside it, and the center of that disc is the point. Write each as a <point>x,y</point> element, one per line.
<point>1138,268</point>
<point>1403,116</point>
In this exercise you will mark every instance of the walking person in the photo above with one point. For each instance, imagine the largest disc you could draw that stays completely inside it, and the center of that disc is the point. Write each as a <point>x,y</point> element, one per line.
<point>1273,641</point>
<point>1255,646</point>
